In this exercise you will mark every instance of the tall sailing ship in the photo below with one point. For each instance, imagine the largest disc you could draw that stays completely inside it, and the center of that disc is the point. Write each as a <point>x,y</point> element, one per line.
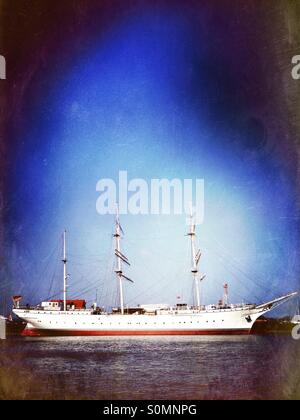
<point>69,317</point>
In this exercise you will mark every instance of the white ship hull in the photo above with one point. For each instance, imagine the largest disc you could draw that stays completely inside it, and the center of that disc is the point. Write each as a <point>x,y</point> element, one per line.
<point>76,323</point>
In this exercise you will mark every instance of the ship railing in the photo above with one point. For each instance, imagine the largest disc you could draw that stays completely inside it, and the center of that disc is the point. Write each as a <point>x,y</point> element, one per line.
<point>26,307</point>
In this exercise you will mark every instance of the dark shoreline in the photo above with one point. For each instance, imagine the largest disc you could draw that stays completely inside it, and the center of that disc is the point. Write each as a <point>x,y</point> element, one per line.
<point>276,326</point>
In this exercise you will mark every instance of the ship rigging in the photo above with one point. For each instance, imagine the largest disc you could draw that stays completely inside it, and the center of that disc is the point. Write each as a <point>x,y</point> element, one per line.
<point>71,317</point>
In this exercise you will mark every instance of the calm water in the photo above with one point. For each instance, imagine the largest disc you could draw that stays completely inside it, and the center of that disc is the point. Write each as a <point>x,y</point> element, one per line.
<point>251,367</point>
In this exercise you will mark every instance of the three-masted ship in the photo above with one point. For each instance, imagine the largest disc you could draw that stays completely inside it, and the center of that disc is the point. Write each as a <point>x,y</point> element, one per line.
<point>69,317</point>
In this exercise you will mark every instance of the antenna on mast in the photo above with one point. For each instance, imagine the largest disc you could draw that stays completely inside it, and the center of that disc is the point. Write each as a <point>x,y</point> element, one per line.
<point>120,258</point>
<point>225,297</point>
<point>196,255</point>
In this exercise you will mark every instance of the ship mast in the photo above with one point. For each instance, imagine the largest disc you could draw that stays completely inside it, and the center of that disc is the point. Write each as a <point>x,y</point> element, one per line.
<point>119,259</point>
<point>195,256</point>
<point>65,268</point>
